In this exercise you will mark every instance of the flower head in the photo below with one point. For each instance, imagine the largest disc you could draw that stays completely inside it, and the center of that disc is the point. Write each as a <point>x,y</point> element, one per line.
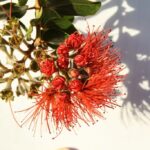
<point>75,85</point>
<point>47,67</point>
<point>58,82</point>
<point>87,82</point>
<point>80,60</point>
<point>62,62</point>
<point>74,41</point>
<point>63,50</point>
<point>73,73</point>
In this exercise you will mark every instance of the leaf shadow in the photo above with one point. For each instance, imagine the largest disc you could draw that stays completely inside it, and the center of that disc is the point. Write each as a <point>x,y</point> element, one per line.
<point>132,21</point>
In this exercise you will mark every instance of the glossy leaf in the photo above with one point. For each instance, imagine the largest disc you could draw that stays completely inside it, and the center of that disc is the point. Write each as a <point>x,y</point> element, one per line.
<point>74,7</point>
<point>17,11</point>
<point>54,36</point>
<point>58,29</point>
<point>22,2</point>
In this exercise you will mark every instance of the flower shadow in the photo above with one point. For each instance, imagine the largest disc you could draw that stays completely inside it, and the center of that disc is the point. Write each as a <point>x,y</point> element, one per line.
<point>131,22</point>
<point>67,148</point>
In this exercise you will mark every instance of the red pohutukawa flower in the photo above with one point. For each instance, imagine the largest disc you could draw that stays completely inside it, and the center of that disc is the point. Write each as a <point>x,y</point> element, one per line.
<point>80,60</point>
<point>75,85</point>
<point>85,83</point>
<point>62,62</point>
<point>75,40</point>
<point>58,82</point>
<point>63,50</point>
<point>47,67</point>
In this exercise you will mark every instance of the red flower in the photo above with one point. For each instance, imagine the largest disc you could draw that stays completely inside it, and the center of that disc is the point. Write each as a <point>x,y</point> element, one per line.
<point>96,45</point>
<point>47,67</point>
<point>93,88</point>
<point>55,109</point>
<point>75,40</point>
<point>75,85</point>
<point>63,50</point>
<point>62,97</point>
<point>58,82</point>
<point>62,62</point>
<point>80,60</point>
<point>73,73</point>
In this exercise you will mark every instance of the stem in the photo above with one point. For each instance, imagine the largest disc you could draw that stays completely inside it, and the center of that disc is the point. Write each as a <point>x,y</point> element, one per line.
<point>10,11</point>
<point>12,112</point>
<point>37,5</point>
<point>5,11</point>
<point>9,81</point>
<point>29,76</point>
<point>26,53</point>
<point>3,67</point>
<point>30,8</point>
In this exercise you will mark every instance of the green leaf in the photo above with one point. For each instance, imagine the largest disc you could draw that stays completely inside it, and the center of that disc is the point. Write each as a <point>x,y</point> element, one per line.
<point>54,10</point>
<point>17,11</point>
<point>74,7</point>
<point>29,32</point>
<point>22,2</point>
<point>43,3</point>
<point>57,29</point>
<point>64,22</point>
<point>49,14</point>
<point>54,36</point>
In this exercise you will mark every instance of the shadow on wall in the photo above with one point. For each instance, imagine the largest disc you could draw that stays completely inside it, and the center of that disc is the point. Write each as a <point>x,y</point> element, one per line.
<point>132,23</point>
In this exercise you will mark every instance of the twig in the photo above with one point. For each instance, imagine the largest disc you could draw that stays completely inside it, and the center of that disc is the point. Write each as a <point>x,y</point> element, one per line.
<point>10,11</point>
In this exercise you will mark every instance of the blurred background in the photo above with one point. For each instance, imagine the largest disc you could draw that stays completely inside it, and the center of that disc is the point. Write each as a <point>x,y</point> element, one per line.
<point>126,127</point>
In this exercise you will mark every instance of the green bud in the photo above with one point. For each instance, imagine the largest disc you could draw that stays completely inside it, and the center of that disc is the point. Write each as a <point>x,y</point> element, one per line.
<point>1,74</point>
<point>7,95</point>
<point>34,66</point>
<point>33,89</point>
<point>20,90</point>
<point>39,54</point>
<point>1,40</point>
<point>19,69</point>
<point>35,86</point>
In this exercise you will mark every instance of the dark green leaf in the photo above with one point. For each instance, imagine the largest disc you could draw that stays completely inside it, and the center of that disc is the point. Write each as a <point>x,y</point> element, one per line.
<point>57,29</point>
<point>64,22</point>
<point>74,7</point>
<point>43,3</point>
<point>22,2</point>
<point>49,14</point>
<point>29,32</point>
<point>17,11</point>
<point>54,36</point>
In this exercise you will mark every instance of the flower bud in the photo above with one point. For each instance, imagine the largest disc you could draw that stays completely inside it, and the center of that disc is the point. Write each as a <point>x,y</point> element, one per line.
<point>80,60</point>
<point>34,66</point>
<point>75,85</point>
<point>58,82</point>
<point>73,73</point>
<point>63,50</point>
<point>7,95</point>
<point>1,74</point>
<point>47,67</point>
<point>75,40</point>
<point>18,69</point>
<point>62,62</point>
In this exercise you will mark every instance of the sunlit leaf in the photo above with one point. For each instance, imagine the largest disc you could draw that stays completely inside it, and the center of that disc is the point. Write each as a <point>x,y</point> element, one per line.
<point>22,2</point>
